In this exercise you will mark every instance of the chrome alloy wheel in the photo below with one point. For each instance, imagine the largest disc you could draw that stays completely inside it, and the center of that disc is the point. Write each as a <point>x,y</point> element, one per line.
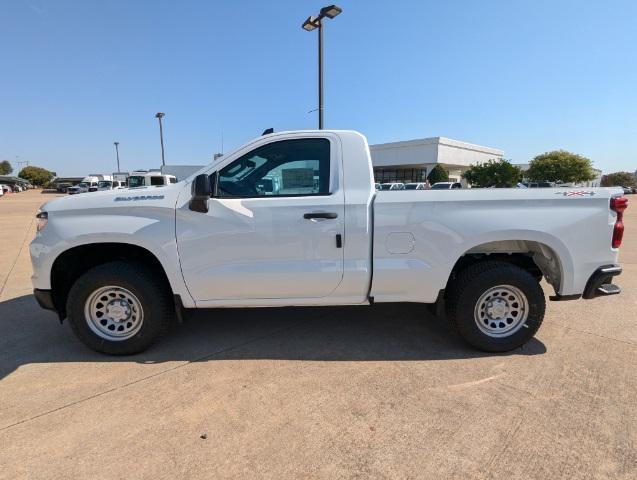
<point>501,311</point>
<point>113,313</point>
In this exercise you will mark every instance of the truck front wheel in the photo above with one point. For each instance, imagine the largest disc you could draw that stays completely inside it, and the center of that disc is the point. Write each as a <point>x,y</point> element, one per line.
<point>119,308</point>
<point>495,306</point>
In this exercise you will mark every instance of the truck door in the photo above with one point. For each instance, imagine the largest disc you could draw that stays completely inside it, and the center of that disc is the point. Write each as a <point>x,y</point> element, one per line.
<point>274,229</point>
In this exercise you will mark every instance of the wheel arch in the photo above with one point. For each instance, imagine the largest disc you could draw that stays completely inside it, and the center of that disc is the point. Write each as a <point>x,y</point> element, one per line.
<point>73,262</point>
<point>538,257</point>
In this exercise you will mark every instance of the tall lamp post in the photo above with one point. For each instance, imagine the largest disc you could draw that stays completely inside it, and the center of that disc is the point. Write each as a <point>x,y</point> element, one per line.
<point>313,23</point>
<point>159,116</point>
<point>117,153</point>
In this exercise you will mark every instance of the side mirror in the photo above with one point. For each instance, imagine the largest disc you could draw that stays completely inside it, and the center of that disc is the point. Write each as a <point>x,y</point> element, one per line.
<point>201,193</point>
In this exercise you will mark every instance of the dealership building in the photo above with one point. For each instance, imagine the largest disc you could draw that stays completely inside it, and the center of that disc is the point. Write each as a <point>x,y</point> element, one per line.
<point>412,160</point>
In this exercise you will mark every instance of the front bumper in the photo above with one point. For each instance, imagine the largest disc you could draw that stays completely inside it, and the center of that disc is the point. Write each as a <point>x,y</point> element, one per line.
<point>44,299</point>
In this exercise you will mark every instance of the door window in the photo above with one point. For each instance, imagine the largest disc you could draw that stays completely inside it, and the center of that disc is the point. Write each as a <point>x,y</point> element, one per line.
<point>285,168</point>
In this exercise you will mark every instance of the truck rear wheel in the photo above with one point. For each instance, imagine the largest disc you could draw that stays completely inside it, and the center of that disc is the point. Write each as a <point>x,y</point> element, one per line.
<point>119,308</point>
<point>496,306</point>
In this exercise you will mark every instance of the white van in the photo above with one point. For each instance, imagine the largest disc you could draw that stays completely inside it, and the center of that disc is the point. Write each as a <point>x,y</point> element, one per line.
<point>110,185</point>
<point>88,184</point>
<point>153,178</point>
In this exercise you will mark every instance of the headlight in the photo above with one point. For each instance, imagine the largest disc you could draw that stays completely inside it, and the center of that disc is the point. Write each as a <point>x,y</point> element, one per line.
<point>41,219</point>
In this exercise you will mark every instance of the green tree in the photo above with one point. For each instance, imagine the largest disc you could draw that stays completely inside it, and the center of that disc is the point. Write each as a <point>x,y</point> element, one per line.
<point>560,166</point>
<point>619,179</point>
<point>494,173</point>
<point>5,167</point>
<point>438,174</point>
<point>36,175</point>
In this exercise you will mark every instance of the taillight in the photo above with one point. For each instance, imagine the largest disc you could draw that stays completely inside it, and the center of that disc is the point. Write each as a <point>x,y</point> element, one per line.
<point>618,205</point>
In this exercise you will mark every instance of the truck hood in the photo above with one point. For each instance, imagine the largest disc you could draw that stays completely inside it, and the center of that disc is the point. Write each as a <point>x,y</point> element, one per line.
<point>165,197</point>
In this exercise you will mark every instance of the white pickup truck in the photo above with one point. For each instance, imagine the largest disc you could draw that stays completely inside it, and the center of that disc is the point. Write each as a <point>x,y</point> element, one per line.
<point>293,218</point>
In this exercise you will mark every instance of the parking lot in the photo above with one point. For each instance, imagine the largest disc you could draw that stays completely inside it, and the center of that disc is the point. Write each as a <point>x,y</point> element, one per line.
<point>370,392</point>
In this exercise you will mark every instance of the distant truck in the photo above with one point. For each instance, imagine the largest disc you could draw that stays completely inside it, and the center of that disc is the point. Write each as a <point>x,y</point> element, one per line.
<point>111,185</point>
<point>121,176</point>
<point>151,178</point>
<point>88,184</point>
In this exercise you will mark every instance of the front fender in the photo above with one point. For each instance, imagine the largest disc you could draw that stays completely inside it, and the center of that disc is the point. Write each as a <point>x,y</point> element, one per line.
<point>152,229</point>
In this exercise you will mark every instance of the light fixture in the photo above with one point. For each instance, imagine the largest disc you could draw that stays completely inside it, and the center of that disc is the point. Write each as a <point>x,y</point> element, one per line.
<point>310,24</point>
<point>331,11</point>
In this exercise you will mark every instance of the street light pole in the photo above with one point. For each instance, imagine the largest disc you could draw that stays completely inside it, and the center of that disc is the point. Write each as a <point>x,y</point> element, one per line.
<point>159,116</point>
<point>117,153</point>
<point>320,72</point>
<point>313,23</point>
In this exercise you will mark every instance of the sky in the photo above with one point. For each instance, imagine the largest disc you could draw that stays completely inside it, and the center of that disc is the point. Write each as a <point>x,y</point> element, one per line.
<point>525,76</point>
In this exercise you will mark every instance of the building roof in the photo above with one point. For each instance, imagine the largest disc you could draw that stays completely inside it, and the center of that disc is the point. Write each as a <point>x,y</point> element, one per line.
<point>11,179</point>
<point>428,151</point>
<point>449,142</point>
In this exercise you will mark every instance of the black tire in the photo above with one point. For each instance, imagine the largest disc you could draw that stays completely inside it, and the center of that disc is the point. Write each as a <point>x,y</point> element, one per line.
<point>474,281</point>
<point>153,296</point>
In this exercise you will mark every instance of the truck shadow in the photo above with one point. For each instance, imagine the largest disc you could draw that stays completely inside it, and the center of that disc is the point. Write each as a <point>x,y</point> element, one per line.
<point>387,332</point>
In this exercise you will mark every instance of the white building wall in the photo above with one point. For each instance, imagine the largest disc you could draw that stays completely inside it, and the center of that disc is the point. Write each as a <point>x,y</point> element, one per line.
<point>453,152</point>
<point>428,151</point>
<point>413,152</point>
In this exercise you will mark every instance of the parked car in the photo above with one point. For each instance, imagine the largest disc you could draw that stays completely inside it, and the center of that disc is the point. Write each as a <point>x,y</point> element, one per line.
<point>63,187</point>
<point>88,183</point>
<point>121,265</point>
<point>538,184</point>
<point>5,188</point>
<point>415,186</point>
<point>446,185</point>
<point>392,186</point>
<point>628,190</point>
<point>83,187</point>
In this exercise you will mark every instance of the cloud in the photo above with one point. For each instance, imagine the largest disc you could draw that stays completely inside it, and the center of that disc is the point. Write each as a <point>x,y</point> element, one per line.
<point>38,10</point>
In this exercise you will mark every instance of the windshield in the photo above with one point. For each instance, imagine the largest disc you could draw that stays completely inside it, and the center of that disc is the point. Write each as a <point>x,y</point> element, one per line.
<point>440,186</point>
<point>105,184</point>
<point>136,181</point>
<point>411,186</point>
<point>82,184</point>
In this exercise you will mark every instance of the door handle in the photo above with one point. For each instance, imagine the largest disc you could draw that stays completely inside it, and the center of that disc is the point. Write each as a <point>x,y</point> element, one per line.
<point>310,216</point>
